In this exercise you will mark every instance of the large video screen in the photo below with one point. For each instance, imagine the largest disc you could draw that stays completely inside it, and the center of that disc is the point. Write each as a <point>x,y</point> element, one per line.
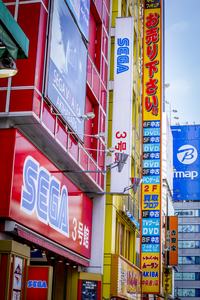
<point>66,81</point>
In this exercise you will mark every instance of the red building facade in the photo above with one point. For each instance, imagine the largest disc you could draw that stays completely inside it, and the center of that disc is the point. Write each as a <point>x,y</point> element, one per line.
<point>52,158</point>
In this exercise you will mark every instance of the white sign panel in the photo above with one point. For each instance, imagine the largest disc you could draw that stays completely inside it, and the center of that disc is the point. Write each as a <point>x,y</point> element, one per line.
<point>122,102</point>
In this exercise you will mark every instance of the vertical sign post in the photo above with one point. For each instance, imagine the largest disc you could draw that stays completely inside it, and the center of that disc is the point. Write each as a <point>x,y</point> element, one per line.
<point>122,101</point>
<point>172,240</point>
<point>151,168</point>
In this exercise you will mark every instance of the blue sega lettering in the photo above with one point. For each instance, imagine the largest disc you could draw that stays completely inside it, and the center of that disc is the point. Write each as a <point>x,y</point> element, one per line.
<point>122,55</point>
<point>43,194</point>
<point>41,284</point>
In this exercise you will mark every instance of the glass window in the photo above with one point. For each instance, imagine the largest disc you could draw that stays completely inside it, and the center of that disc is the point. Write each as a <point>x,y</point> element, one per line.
<point>128,234</point>
<point>189,260</point>
<point>188,213</point>
<point>189,244</point>
<point>188,292</point>
<point>188,228</point>
<point>185,276</point>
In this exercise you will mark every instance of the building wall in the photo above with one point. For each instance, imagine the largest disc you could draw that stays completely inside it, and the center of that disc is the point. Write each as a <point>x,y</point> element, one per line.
<point>26,107</point>
<point>187,205</point>
<point>121,232</point>
<point>189,215</point>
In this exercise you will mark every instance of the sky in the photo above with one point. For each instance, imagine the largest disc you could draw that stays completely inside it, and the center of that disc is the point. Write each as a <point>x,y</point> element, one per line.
<point>182,60</point>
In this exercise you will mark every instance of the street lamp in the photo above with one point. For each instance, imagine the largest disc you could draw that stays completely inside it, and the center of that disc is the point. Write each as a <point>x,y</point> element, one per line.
<point>7,67</point>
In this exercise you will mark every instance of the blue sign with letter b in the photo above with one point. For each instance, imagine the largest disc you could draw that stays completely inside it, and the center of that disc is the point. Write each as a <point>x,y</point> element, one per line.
<point>186,145</point>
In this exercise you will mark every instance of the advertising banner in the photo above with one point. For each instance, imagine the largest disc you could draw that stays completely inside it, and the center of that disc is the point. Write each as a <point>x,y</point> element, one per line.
<point>186,161</point>
<point>127,283</point>
<point>81,11</point>
<point>89,289</point>
<point>122,102</point>
<point>40,197</point>
<point>151,165</point>
<point>66,80</point>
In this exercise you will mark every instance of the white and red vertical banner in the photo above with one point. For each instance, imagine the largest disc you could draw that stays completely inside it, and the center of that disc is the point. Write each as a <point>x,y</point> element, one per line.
<point>151,259</point>
<point>122,102</point>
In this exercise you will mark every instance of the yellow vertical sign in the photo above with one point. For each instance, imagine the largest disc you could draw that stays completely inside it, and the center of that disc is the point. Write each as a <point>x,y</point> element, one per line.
<point>151,168</point>
<point>167,281</point>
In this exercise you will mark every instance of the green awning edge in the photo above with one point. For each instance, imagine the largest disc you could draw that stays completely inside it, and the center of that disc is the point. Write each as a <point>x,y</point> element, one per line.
<point>14,31</point>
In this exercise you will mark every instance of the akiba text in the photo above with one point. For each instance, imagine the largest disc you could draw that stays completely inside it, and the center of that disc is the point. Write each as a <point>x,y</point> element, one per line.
<point>43,195</point>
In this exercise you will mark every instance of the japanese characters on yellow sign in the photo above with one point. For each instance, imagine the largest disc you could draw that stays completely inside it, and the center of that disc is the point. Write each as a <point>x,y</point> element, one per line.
<point>151,197</point>
<point>151,165</point>
<point>150,272</point>
<point>152,63</point>
<point>167,281</point>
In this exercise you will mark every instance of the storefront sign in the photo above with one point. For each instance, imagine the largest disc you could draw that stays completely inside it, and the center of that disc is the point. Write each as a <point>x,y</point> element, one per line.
<point>152,141</point>
<point>39,283</point>
<point>122,101</point>
<point>43,195</point>
<point>126,279</point>
<point>41,198</point>
<point>66,82</point>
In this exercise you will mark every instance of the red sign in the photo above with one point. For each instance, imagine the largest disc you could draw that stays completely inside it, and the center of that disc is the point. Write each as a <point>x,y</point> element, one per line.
<point>39,282</point>
<point>40,197</point>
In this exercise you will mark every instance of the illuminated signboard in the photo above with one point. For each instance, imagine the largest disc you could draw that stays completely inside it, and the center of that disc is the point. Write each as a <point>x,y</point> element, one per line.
<point>41,198</point>
<point>39,283</point>
<point>186,161</point>
<point>122,102</point>
<point>151,165</point>
<point>66,81</point>
<point>150,271</point>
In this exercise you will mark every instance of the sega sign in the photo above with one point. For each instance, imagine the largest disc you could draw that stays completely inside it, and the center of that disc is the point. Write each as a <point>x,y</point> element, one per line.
<point>186,146</point>
<point>37,284</point>
<point>37,195</point>
<point>43,195</point>
<point>122,55</point>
